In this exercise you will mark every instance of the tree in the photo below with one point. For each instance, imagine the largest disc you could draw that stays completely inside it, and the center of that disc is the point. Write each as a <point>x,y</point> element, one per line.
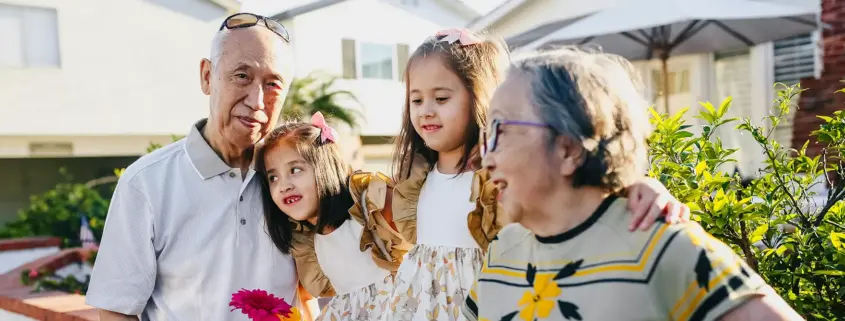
<point>316,92</point>
<point>770,220</point>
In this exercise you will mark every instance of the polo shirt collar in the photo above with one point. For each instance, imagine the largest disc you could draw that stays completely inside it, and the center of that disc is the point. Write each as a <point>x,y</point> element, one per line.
<point>205,161</point>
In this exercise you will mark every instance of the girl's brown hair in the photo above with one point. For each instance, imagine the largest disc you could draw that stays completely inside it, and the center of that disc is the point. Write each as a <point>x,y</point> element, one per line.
<point>480,67</point>
<point>331,174</point>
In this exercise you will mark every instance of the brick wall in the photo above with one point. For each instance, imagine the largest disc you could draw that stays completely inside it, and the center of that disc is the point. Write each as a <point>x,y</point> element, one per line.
<point>819,97</point>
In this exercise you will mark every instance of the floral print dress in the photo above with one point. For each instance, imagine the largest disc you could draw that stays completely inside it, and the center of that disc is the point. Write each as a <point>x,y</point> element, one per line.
<point>435,277</point>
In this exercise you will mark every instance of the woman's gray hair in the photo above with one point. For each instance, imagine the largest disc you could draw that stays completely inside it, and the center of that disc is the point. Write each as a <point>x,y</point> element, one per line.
<point>594,99</point>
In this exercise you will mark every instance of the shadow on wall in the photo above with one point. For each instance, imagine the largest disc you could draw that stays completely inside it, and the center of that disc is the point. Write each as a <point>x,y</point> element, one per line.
<point>23,177</point>
<point>203,10</point>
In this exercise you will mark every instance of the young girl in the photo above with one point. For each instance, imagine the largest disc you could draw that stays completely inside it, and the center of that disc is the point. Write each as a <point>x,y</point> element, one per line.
<point>448,211</point>
<point>335,225</point>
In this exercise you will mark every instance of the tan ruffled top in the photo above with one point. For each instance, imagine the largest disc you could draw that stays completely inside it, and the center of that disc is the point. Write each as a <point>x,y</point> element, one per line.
<point>376,186</point>
<point>483,222</point>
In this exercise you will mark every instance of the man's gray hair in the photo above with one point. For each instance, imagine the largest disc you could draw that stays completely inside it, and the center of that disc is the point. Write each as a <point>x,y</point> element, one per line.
<point>595,100</point>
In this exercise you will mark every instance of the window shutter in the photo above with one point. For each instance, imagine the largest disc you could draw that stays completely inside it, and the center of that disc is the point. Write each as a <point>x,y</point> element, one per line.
<point>401,59</point>
<point>795,58</point>
<point>349,64</point>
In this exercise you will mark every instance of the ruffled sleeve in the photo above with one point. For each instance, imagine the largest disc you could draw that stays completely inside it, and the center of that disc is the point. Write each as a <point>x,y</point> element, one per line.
<point>376,186</point>
<point>487,218</point>
<point>406,196</point>
<point>310,274</point>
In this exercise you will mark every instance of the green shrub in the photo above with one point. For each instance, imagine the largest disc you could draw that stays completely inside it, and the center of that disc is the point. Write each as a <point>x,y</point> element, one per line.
<point>58,211</point>
<point>769,220</point>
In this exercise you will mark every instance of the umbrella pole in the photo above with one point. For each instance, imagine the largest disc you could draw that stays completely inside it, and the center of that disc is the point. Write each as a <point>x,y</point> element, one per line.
<point>665,84</point>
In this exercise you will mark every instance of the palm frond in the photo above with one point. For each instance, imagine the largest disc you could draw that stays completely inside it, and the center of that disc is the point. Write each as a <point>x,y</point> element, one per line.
<point>315,93</point>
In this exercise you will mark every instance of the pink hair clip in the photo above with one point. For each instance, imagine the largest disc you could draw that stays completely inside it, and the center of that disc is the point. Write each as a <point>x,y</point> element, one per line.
<point>463,36</point>
<point>327,133</point>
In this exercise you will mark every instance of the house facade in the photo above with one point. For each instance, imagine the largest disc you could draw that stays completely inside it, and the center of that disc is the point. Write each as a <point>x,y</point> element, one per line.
<point>745,75</point>
<point>367,44</point>
<point>88,85</point>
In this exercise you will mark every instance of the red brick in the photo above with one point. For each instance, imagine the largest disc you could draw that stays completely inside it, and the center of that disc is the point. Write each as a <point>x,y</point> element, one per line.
<point>819,98</point>
<point>25,243</point>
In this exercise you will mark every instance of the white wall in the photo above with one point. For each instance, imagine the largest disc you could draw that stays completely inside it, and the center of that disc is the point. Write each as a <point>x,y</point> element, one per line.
<point>317,38</point>
<point>128,67</point>
<point>9,260</point>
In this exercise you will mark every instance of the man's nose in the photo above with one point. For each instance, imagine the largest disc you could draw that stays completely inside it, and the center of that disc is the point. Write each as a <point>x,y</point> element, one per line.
<point>255,97</point>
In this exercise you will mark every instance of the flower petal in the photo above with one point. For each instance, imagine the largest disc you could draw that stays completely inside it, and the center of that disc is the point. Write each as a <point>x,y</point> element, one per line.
<point>527,313</point>
<point>527,298</point>
<point>544,308</point>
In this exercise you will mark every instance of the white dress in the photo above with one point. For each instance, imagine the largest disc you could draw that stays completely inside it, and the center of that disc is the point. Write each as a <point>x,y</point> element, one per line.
<point>435,277</point>
<point>362,288</point>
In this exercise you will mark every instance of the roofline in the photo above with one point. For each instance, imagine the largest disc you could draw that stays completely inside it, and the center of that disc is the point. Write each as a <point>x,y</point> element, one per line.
<point>461,7</point>
<point>495,15</point>
<point>231,6</point>
<point>306,8</point>
<point>456,5</point>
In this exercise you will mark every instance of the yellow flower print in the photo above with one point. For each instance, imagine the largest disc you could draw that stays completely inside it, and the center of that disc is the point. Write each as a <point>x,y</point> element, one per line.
<point>539,302</point>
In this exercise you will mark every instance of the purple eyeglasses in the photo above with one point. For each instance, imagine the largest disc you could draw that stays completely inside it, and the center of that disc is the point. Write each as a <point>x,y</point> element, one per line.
<point>488,144</point>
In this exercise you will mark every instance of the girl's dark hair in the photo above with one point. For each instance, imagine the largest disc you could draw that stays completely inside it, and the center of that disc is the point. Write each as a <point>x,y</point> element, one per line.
<point>331,174</point>
<point>480,67</point>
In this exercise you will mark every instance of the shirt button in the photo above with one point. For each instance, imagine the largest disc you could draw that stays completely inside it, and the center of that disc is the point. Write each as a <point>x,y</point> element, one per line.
<point>242,199</point>
<point>243,221</point>
<point>231,174</point>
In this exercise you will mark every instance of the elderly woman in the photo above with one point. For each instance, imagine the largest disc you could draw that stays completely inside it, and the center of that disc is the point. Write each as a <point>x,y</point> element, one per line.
<point>568,131</point>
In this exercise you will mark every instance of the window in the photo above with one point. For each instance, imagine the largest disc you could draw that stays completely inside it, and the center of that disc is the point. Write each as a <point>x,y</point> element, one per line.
<point>796,58</point>
<point>376,61</point>
<point>678,81</point>
<point>30,37</point>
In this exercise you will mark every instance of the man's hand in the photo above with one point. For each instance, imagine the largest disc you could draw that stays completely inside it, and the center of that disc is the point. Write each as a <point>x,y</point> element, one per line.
<point>106,315</point>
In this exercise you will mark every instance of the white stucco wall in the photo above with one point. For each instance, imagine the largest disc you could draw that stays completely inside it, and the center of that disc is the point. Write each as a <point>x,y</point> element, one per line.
<point>127,67</point>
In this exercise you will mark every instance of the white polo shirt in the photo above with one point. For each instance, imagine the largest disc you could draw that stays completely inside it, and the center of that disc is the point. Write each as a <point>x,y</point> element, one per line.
<point>184,231</point>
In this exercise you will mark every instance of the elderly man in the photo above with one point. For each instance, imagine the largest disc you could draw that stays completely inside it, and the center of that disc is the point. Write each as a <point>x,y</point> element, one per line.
<point>568,131</point>
<point>185,228</point>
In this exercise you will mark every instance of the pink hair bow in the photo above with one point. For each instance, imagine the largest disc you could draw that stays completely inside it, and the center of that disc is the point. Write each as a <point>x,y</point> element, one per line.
<point>463,36</point>
<point>327,133</point>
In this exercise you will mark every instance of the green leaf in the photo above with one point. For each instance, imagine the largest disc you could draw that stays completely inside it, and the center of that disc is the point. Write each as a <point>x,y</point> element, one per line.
<point>836,239</point>
<point>758,233</point>
<point>702,165</point>
<point>830,272</point>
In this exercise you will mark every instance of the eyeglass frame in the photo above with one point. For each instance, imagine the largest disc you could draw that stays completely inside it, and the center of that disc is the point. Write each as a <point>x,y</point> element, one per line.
<point>267,22</point>
<point>488,145</point>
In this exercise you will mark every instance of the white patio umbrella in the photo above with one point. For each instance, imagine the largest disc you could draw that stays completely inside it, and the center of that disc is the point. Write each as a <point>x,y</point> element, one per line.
<point>644,29</point>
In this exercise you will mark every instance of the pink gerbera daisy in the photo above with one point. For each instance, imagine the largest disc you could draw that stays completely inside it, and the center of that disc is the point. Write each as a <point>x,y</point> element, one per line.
<point>259,305</point>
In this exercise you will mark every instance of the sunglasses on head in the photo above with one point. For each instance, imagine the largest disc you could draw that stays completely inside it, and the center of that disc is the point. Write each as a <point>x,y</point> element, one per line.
<point>246,20</point>
<point>489,142</point>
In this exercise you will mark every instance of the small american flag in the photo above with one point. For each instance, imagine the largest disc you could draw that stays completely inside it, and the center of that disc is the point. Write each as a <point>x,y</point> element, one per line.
<point>86,235</point>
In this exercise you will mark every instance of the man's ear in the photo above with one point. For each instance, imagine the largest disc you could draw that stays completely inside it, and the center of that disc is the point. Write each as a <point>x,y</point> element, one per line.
<point>569,154</point>
<point>205,76</point>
